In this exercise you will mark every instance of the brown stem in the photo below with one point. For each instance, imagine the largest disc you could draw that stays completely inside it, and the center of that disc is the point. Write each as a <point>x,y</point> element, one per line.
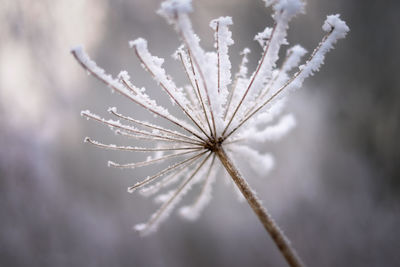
<point>277,236</point>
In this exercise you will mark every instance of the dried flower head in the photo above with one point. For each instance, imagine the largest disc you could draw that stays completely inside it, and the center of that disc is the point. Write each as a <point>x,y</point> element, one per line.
<point>221,114</point>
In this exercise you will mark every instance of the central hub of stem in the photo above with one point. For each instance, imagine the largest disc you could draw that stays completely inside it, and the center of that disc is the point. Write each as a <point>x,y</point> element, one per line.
<point>214,144</point>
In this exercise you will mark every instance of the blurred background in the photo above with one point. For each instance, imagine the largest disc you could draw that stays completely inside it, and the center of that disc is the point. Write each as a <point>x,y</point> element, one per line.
<point>335,189</point>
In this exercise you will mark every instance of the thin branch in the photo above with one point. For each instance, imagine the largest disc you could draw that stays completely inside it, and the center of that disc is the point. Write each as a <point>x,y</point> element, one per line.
<point>197,90</point>
<point>137,149</point>
<point>114,124</point>
<point>95,74</point>
<point>171,95</point>
<point>201,97</point>
<point>196,63</point>
<point>182,169</point>
<point>269,86</point>
<point>179,52</point>
<point>235,82</point>
<point>164,207</point>
<point>166,170</point>
<point>150,162</point>
<point>131,88</point>
<point>252,80</point>
<point>203,189</point>
<point>142,137</point>
<point>273,96</point>
<point>152,126</point>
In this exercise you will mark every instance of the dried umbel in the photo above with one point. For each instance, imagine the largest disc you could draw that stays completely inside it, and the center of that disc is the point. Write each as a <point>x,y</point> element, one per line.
<point>222,116</point>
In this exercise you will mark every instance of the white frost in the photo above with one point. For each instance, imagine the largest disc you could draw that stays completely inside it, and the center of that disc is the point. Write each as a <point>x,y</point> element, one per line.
<point>215,107</point>
<point>261,163</point>
<point>273,132</point>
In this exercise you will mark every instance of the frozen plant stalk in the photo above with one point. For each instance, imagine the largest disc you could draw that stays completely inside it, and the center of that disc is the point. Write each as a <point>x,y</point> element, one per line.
<point>223,114</point>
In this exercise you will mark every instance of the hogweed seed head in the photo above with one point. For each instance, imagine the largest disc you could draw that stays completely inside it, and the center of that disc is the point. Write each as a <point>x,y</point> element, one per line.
<point>221,110</point>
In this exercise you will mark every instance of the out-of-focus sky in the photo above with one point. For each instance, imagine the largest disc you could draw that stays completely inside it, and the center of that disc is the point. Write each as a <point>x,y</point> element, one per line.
<point>335,187</point>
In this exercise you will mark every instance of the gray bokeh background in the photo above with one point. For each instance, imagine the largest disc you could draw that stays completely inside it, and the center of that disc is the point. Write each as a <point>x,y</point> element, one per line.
<point>334,190</point>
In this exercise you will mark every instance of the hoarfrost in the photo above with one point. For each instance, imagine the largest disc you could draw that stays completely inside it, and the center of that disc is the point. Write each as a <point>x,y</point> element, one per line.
<point>217,109</point>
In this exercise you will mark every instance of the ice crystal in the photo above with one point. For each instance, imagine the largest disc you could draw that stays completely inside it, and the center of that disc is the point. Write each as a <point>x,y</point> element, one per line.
<point>220,111</point>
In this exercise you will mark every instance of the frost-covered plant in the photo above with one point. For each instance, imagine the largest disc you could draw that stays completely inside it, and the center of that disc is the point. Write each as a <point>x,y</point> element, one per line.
<point>222,116</point>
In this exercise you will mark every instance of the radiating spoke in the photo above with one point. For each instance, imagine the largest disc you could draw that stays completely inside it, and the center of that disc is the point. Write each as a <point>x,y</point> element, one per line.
<point>308,66</point>
<point>195,62</point>
<point>115,124</point>
<point>163,172</point>
<point>91,67</point>
<point>251,81</point>
<point>193,211</point>
<point>151,126</point>
<point>137,149</point>
<point>161,79</point>
<point>151,161</point>
<point>194,84</point>
<point>168,204</point>
<point>180,171</point>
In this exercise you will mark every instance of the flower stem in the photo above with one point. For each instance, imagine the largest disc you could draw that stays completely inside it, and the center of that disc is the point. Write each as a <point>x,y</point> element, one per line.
<point>276,234</point>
